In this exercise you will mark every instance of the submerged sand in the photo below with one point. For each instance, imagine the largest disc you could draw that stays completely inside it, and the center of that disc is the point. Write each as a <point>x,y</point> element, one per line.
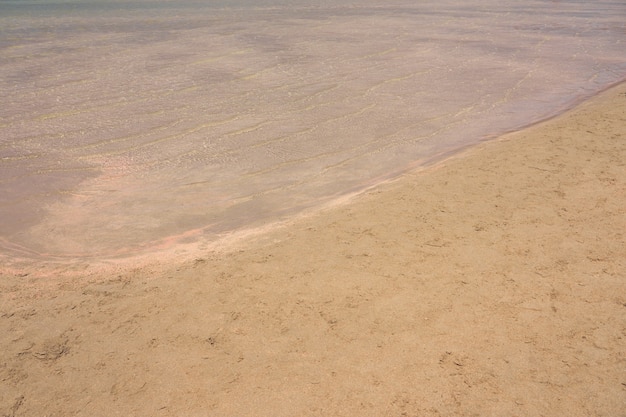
<point>491,284</point>
<point>127,125</point>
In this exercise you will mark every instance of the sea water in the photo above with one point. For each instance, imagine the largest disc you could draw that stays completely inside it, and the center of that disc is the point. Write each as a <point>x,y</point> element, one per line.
<point>124,125</point>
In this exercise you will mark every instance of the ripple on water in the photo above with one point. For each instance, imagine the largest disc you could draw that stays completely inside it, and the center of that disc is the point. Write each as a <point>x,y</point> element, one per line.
<point>123,128</point>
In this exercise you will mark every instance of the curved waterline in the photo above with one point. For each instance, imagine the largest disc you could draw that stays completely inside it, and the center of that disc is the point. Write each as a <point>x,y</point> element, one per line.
<point>124,132</point>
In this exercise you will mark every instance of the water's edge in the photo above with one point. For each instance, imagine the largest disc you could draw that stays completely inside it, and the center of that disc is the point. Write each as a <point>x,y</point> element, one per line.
<point>125,135</point>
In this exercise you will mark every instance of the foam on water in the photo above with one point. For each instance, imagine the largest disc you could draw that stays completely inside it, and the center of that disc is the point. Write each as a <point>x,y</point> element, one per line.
<point>124,125</point>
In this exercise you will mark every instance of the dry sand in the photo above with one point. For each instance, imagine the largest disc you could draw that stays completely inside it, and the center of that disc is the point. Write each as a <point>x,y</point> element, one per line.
<point>493,284</point>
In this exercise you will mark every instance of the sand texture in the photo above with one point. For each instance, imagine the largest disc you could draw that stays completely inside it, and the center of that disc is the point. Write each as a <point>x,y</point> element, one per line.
<point>492,284</point>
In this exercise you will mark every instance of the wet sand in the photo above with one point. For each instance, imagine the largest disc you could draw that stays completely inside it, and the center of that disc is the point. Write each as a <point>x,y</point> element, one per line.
<point>490,284</point>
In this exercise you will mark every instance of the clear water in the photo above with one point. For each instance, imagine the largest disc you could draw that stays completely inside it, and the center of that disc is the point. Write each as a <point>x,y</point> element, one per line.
<point>124,125</point>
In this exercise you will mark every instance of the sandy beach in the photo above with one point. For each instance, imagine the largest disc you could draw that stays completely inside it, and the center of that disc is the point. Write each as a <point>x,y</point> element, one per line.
<point>490,284</point>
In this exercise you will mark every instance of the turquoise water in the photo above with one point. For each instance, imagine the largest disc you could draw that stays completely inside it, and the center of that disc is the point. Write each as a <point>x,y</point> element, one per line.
<point>129,125</point>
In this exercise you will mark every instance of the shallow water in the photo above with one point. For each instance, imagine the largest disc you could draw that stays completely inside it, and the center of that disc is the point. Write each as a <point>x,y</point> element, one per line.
<point>127,125</point>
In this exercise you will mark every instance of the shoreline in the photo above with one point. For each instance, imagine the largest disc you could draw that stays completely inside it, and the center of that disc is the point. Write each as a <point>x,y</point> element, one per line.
<point>489,283</point>
<point>175,250</point>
